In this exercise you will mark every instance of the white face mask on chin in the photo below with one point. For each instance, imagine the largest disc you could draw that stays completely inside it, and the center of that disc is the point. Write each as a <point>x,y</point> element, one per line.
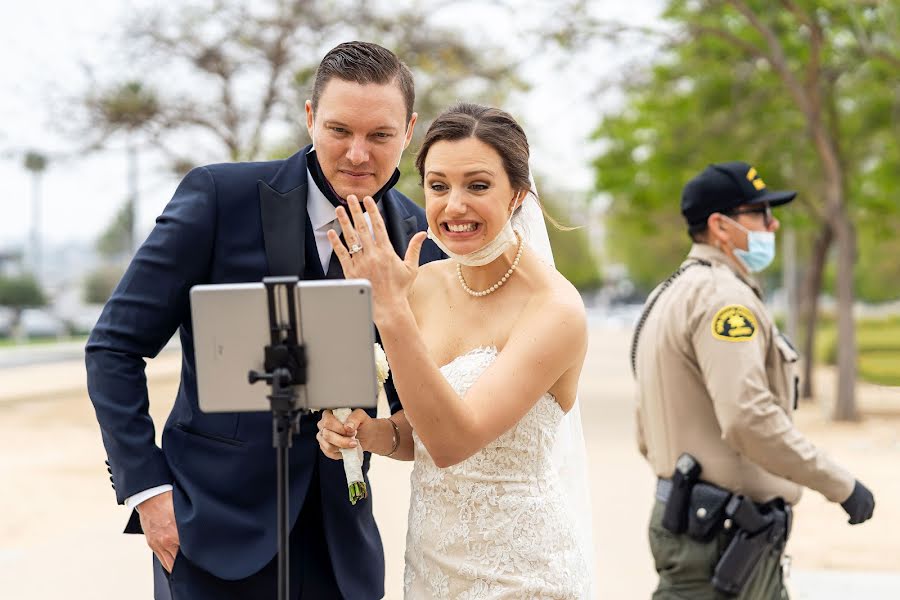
<point>487,253</point>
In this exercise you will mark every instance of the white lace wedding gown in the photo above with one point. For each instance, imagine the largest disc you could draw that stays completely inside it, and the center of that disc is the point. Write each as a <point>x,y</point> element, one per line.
<point>495,525</point>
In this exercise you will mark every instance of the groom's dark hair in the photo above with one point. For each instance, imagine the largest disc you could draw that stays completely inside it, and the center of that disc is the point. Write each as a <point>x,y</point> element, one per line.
<point>364,63</point>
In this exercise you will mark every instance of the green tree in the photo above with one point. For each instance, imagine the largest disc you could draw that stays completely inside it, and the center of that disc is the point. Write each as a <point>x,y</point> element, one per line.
<point>18,293</point>
<point>572,251</point>
<point>99,284</point>
<point>807,91</point>
<point>574,258</point>
<point>115,243</point>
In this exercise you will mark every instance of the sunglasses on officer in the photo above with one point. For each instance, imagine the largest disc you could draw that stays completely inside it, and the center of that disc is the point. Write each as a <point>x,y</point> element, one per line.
<point>764,209</point>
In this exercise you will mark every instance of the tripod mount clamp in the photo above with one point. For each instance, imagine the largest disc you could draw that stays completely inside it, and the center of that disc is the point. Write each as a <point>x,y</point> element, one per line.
<point>285,358</point>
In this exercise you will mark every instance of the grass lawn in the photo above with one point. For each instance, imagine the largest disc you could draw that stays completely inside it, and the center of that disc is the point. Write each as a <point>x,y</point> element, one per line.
<point>10,343</point>
<point>878,342</point>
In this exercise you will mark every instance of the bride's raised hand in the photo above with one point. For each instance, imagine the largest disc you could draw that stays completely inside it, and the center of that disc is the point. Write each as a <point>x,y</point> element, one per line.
<point>370,255</point>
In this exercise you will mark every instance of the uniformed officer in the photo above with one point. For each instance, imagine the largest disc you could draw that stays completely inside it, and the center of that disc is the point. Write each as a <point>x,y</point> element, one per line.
<point>717,384</point>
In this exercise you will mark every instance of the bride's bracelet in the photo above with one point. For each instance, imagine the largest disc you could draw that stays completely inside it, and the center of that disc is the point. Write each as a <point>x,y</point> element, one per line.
<point>396,434</point>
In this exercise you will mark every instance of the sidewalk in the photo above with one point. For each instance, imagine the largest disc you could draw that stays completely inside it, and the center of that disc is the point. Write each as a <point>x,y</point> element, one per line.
<point>844,585</point>
<point>19,356</point>
<point>60,511</point>
<point>42,373</point>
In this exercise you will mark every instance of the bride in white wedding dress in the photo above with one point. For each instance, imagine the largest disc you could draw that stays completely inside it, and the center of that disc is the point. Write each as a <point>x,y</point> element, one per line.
<point>485,351</point>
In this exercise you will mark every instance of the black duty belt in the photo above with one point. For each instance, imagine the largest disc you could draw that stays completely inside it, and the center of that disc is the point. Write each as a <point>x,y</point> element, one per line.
<point>664,491</point>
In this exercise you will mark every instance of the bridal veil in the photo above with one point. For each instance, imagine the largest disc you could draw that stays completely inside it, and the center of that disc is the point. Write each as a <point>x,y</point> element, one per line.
<point>569,452</point>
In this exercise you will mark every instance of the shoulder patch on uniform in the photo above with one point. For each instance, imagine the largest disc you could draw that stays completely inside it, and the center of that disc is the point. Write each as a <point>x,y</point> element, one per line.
<point>734,323</point>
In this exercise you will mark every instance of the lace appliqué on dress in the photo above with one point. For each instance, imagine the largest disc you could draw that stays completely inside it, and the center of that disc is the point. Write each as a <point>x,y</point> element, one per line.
<point>495,525</point>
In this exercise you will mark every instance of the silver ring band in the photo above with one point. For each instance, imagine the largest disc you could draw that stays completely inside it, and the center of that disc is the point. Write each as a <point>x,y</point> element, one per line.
<point>355,248</point>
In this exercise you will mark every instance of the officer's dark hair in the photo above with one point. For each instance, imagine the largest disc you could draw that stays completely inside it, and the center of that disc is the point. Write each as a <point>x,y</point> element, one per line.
<point>364,63</point>
<point>492,126</point>
<point>697,231</point>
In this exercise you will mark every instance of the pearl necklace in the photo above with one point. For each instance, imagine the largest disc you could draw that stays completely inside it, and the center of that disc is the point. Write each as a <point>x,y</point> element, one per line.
<point>497,285</point>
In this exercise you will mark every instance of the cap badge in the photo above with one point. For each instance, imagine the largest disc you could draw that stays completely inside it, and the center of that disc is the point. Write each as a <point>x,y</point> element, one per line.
<point>755,179</point>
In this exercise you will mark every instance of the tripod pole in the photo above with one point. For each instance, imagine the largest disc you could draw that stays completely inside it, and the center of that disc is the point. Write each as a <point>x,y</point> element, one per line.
<point>281,430</point>
<point>283,416</point>
<point>285,371</point>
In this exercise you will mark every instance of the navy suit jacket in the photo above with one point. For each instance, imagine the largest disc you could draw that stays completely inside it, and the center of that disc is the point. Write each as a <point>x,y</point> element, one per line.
<point>227,223</point>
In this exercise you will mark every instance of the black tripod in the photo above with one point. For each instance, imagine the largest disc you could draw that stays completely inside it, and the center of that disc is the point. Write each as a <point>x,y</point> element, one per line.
<point>285,369</point>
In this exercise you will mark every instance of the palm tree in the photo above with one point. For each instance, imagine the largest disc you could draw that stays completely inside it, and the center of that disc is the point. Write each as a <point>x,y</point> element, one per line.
<point>36,164</point>
<point>129,108</point>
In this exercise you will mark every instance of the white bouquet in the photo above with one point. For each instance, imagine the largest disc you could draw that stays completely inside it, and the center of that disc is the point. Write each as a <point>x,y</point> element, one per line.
<point>353,457</point>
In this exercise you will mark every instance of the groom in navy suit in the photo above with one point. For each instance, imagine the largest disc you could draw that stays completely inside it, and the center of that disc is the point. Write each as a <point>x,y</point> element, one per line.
<point>206,500</point>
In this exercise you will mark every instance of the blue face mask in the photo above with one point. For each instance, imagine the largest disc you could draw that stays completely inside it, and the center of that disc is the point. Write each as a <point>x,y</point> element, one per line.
<point>760,250</point>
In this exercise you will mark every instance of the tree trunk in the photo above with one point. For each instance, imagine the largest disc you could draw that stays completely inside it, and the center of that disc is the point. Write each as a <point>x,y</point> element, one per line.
<point>845,400</point>
<point>812,288</point>
<point>17,328</point>
<point>845,237</point>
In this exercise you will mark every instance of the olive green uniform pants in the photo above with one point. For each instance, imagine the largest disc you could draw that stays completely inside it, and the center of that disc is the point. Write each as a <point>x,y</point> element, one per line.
<point>686,566</point>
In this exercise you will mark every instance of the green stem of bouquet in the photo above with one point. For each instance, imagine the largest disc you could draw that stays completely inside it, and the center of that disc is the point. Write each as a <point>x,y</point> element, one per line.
<point>357,491</point>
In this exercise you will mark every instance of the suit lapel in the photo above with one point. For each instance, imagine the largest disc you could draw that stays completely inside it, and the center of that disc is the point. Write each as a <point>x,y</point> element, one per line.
<point>401,226</point>
<point>282,206</point>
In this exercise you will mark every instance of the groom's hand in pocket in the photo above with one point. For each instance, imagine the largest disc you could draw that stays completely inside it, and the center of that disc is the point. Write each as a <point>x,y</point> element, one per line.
<point>158,522</point>
<point>334,436</point>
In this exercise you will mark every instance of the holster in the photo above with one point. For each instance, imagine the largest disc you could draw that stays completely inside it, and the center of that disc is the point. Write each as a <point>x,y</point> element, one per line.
<point>756,533</point>
<point>738,561</point>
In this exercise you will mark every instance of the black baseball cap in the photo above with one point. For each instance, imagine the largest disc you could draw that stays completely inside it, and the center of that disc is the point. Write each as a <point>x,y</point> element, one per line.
<point>722,187</point>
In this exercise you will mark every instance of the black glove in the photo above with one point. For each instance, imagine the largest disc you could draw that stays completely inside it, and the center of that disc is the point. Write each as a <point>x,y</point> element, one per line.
<point>860,505</point>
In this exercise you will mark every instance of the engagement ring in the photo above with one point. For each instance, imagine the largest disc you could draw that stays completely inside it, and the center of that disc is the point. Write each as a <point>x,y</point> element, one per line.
<point>355,248</point>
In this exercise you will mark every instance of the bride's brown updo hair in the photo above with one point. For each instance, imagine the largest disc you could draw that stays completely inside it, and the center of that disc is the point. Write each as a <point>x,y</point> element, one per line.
<point>492,126</point>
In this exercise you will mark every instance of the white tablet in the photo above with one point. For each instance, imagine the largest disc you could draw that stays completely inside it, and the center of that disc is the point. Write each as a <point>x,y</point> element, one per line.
<point>231,331</point>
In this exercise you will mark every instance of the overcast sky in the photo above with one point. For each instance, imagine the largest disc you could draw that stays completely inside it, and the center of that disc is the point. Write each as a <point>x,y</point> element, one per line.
<point>45,43</point>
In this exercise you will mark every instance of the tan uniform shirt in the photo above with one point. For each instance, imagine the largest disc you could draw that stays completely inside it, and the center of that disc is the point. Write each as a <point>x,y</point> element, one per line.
<point>717,379</point>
